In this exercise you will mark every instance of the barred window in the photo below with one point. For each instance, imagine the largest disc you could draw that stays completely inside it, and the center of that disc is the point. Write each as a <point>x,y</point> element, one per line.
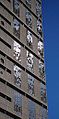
<point>44,113</point>
<point>28,3</point>
<point>29,39</point>
<point>43,92</point>
<point>17,51</point>
<point>32,110</point>
<point>31,85</point>
<point>39,27</point>
<point>41,70</point>
<point>2,60</point>
<point>16,27</point>
<point>1,70</point>
<point>18,102</point>
<point>17,75</point>
<point>38,9</point>
<point>16,7</point>
<point>29,61</point>
<point>40,49</point>
<point>28,18</point>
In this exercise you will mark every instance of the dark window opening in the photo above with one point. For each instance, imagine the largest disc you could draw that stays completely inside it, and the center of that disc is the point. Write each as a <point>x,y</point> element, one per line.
<point>2,60</point>
<point>2,22</point>
<point>1,72</point>
<point>8,0</point>
<point>40,33</point>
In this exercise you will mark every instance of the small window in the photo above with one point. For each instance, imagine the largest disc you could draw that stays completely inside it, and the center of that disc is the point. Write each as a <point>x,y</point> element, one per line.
<point>43,93</point>
<point>2,60</point>
<point>2,22</point>
<point>38,9</point>
<point>1,70</point>
<point>39,27</point>
<point>17,51</point>
<point>44,113</point>
<point>17,75</point>
<point>41,70</point>
<point>28,3</point>
<point>28,18</point>
<point>29,39</point>
<point>40,49</point>
<point>16,27</point>
<point>29,61</point>
<point>31,85</point>
<point>40,33</point>
<point>16,7</point>
<point>32,110</point>
<point>18,103</point>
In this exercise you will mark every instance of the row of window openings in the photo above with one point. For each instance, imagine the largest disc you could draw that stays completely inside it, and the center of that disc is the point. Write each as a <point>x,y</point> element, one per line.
<point>30,58</point>
<point>31,107</point>
<point>31,80</point>
<point>17,77</point>
<point>16,9</point>
<point>17,105</point>
<point>29,38</point>
<point>16,29</point>
<point>29,22</point>
<point>28,15</point>
<point>29,61</point>
<point>17,100</point>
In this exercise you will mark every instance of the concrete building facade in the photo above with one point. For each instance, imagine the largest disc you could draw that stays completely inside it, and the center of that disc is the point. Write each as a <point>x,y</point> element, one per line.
<point>22,71</point>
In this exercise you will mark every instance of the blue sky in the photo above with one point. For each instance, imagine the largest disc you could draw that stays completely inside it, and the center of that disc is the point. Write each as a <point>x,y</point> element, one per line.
<point>50,10</point>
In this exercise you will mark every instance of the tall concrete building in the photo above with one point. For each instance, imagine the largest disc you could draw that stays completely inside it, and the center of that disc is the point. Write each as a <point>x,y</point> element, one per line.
<point>22,71</point>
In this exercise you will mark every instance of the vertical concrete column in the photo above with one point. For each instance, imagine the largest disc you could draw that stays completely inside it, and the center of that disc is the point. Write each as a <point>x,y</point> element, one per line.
<point>22,12</point>
<point>2,115</point>
<point>2,87</point>
<point>23,40</point>
<point>23,56</point>
<point>24,81</point>
<point>25,108</point>
<point>37,89</point>
<point>10,41</point>
<point>12,74</point>
<point>23,34</point>
<point>8,4</point>
<point>35,42</point>
<point>33,6</point>
<point>36,66</point>
<point>10,106</point>
<point>38,115</point>
<point>34,23</point>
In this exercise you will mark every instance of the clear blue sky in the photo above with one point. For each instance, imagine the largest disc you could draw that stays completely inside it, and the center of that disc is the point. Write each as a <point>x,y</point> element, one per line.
<point>50,12</point>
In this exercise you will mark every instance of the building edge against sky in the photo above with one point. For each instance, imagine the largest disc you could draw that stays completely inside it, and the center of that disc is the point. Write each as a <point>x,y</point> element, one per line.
<point>22,71</point>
